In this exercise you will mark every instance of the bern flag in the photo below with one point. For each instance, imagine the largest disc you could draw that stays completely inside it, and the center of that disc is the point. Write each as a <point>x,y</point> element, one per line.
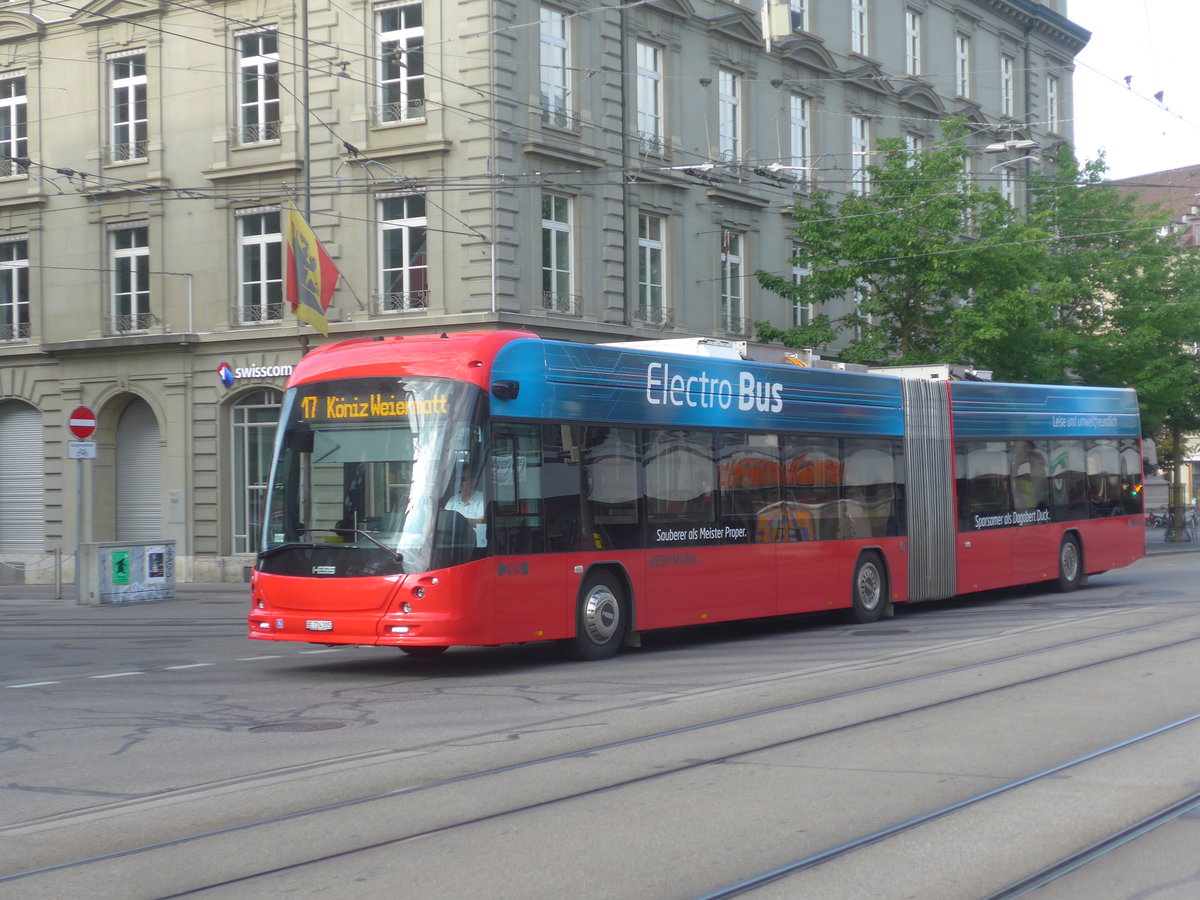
<point>309,275</point>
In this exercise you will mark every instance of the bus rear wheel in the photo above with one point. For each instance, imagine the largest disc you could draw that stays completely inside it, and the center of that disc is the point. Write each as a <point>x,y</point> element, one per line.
<point>869,589</point>
<point>601,618</point>
<point>1070,564</point>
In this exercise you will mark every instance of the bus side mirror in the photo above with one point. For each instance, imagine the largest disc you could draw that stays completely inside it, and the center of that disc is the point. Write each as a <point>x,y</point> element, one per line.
<point>506,389</point>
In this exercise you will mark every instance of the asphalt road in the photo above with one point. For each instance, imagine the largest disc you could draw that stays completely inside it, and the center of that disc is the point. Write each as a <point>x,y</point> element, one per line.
<point>951,751</point>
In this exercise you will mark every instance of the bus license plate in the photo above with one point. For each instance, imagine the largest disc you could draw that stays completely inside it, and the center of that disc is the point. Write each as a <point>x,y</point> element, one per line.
<point>318,625</point>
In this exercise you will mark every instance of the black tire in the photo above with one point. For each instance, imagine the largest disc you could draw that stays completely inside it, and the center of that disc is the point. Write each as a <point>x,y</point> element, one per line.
<point>601,618</point>
<point>422,651</point>
<point>869,589</point>
<point>1070,564</point>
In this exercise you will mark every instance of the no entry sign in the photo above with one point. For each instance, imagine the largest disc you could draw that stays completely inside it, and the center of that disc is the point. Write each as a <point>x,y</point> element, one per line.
<point>82,422</point>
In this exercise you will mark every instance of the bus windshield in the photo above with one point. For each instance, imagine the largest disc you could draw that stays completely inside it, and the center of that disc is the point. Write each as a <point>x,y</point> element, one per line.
<point>363,472</point>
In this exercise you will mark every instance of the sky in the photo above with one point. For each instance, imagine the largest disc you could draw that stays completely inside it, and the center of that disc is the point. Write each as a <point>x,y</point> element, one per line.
<point>1157,42</point>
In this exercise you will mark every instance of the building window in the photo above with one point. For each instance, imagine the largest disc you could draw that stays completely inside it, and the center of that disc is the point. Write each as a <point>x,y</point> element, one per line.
<point>14,290</point>
<point>650,270</point>
<point>732,310</point>
<point>253,425</point>
<point>801,312</point>
<point>729,124</point>
<point>799,14</point>
<point>258,87</point>
<point>128,84</point>
<point>401,35</point>
<point>14,125</point>
<point>859,34</point>
<point>555,69</point>
<point>649,99</point>
<point>556,254</point>
<point>801,138</point>
<point>962,65</point>
<point>913,145</point>
<point>260,267</point>
<point>860,143</point>
<point>1008,186</point>
<point>404,254</point>
<point>1008,105</point>
<point>1053,122</point>
<point>130,279</point>
<point>912,42</point>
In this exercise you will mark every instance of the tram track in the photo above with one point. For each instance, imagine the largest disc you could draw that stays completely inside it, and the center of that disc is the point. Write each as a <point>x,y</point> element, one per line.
<point>524,768</point>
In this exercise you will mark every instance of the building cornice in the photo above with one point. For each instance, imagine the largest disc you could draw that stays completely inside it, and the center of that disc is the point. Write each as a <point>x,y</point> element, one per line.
<point>1034,17</point>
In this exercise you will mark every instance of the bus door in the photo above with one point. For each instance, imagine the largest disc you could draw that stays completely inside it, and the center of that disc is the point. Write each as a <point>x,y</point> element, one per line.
<point>533,525</point>
<point>985,515</point>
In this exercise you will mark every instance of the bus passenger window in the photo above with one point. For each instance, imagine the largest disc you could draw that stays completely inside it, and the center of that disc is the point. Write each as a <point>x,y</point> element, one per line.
<point>869,484</point>
<point>534,488</point>
<point>611,514</point>
<point>1131,478</point>
<point>1030,480</point>
<point>680,478</point>
<point>749,474</point>
<point>812,477</point>
<point>984,493</point>
<point>1068,480</point>
<point>1104,479</point>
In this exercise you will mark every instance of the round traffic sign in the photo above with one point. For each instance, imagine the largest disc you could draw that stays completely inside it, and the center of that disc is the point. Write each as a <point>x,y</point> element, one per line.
<point>82,422</point>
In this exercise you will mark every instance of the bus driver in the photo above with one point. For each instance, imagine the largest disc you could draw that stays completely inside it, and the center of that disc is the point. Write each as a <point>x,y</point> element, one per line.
<point>468,503</point>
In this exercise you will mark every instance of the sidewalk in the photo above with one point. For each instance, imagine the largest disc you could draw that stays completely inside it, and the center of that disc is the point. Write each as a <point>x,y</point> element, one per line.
<point>198,590</point>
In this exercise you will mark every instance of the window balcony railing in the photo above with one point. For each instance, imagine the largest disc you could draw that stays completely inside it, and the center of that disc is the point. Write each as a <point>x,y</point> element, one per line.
<point>10,168</point>
<point>402,111</point>
<point>653,145</point>
<point>735,325</point>
<point>128,151</point>
<point>656,316</point>
<point>558,117</point>
<point>258,133</point>
<point>17,332</point>
<point>562,304</point>
<point>269,313</point>
<point>129,323</point>
<point>401,302</point>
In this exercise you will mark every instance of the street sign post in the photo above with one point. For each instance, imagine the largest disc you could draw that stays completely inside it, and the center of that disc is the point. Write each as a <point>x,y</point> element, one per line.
<point>82,423</point>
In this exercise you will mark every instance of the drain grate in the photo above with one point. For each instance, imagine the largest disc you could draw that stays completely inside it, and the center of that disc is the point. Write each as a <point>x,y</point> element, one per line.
<point>299,726</point>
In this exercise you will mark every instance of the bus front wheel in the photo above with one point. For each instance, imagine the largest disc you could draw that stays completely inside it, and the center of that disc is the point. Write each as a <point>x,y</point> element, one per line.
<point>869,590</point>
<point>600,618</point>
<point>1070,564</point>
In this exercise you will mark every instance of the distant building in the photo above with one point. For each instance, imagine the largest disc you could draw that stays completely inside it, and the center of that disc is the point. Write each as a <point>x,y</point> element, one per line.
<point>1175,190</point>
<point>593,172</point>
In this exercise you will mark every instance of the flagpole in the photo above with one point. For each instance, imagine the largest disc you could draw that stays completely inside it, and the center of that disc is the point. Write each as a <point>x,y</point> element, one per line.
<point>305,147</point>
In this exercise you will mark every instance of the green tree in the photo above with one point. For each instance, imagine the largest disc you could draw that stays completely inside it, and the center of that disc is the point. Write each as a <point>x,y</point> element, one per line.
<point>921,239</point>
<point>1124,295</point>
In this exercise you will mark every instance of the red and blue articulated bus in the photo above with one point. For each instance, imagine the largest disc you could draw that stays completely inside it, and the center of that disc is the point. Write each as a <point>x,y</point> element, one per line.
<point>492,488</point>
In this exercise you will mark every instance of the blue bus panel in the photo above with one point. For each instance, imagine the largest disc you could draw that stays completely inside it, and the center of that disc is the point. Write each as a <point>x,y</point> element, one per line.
<point>583,382</point>
<point>996,410</point>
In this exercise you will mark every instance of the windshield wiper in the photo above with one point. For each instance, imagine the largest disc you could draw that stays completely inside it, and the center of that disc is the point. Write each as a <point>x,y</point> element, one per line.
<point>342,532</point>
<point>290,545</point>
